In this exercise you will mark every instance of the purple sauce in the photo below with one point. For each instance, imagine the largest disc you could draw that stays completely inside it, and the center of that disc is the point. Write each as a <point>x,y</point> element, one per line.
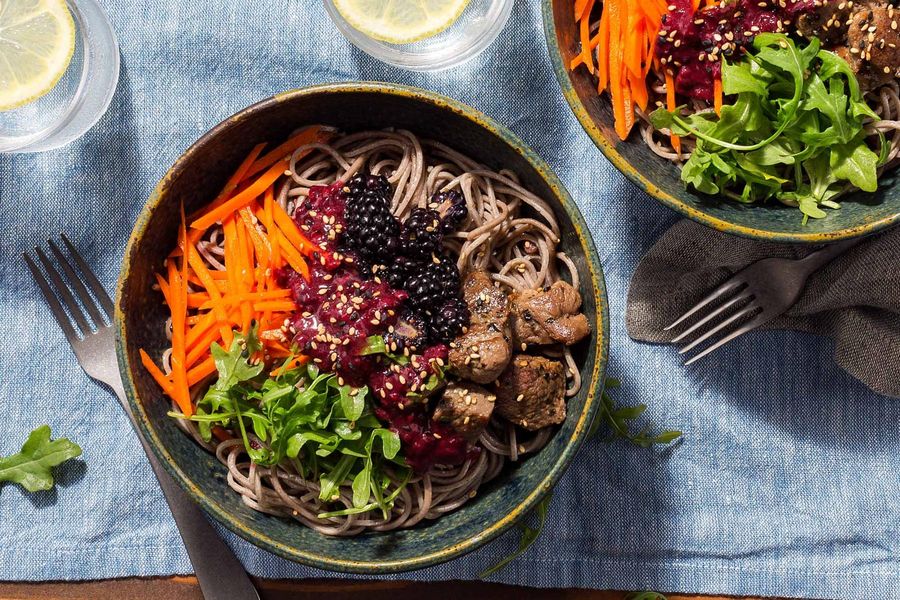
<point>692,45</point>
<point>337,310</point>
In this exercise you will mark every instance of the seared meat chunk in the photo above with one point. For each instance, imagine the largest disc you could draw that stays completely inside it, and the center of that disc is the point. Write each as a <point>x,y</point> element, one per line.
<point>865,34</point>
<point>873,43</point>
<point>549,315</point>
<point>828,22</point>
<point>531,392</point>
<point>466,407</point>
<point>484,350</point>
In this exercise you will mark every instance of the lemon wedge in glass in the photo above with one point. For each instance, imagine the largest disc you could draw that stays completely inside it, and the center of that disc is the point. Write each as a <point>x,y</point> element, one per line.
<point>37,41</point>
<point>400,21</point>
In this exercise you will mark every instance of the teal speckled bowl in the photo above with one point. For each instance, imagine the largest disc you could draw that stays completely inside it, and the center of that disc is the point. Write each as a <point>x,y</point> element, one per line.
<point>194,180</point>
<point>860,213</point>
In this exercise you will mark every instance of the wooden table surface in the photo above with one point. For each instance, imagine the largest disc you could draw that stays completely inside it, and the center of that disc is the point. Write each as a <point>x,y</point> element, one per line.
<point>186,588</point>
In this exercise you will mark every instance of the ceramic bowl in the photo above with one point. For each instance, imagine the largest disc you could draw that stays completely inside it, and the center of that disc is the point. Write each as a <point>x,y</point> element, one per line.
<point>860,213</point>
<point>194,180</point>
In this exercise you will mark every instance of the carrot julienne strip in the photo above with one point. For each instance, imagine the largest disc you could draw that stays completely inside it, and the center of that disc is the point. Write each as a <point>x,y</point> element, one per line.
<point>241,199</point>
<point>670,106</point>
<point>293,257</point>
<point>275,305</point>
<point>201,371</point>
<point>307,135</point>
<point>291,231</point>
<point>164,382</point>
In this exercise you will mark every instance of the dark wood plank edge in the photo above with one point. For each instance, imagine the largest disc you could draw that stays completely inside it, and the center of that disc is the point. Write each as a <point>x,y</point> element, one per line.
<point>186,588</point>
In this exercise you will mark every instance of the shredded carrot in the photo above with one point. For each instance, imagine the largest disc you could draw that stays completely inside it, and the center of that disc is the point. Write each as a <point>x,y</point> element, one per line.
<point>215,297</point>
<point>717,95</point>
<point>291,364</point>
<point>671,105</point>
<point>290,231</point>
<point>200,372</point>
<point>584,30</point>
<point>305,136</point>
<point>241,199</point>
<point>623,48</point>
<point>251,297</point>
<point>274,305</point>
<point>178,308</point>
<point>293,258</point>
<point>230,186</point>
<point>603,52</point>
<point>164,382</point>
<point>207,304</point>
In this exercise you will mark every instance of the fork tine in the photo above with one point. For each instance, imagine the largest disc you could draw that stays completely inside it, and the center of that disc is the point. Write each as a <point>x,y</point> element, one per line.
<point>721,309</point>
<point>720,291</point>
<point>86,300</point>
<point>748,326</point>
<point>741,313</point>
<point>61,317</point>
<point>99,293</point>
<point>62,289</point>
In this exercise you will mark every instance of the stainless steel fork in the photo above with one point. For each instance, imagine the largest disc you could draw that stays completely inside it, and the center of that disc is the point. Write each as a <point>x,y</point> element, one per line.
<point>753,297</point>
<point>221,575</point>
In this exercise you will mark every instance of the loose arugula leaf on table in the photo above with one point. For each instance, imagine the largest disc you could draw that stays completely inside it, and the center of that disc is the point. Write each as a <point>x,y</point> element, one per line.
<point>31,467</point>
<point>648,595</point>
<point>305,417</point>
<point>795,131</point>
<point>619,418</point>
<point>529,536</point>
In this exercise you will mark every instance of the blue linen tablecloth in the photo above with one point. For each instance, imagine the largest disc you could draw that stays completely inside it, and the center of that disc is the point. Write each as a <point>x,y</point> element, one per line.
<point>786,482</point>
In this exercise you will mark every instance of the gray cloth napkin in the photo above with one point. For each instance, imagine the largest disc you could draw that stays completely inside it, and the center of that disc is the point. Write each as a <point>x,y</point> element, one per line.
<point>855,299</point>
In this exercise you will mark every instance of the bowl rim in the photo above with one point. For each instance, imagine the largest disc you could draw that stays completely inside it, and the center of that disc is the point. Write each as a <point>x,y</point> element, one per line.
<point>563,76</point>
<point>594,387</point>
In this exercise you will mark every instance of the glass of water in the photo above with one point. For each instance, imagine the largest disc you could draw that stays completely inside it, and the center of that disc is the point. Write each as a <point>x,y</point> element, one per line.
<point>473,31</point>
<point>79,98</point>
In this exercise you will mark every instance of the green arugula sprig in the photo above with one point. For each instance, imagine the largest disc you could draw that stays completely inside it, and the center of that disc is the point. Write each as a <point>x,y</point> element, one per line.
<point>796,131</point>
<point>619,419</point>
<point>31,467</point>
<point>648,595</point>
<point>306,418</point>
<point>529,536</point>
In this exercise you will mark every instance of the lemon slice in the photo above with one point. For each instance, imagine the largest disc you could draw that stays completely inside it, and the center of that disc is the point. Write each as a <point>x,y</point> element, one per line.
<point>37,40</point>
<point>400,21</point>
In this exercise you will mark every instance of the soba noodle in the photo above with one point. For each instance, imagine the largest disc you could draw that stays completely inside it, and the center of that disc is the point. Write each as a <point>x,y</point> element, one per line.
<point>509,232</point>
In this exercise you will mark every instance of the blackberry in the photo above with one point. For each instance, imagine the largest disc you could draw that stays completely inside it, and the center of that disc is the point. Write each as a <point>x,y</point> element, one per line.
<point>451,206</point>
<point>409,333</point>
<point>448,273</point>
<point>425,290</point>
<point>421,234</point>
<point>369,226</point>
<point>432,284</point>
<point>450,321</point>
<point>364,183</point>
<point>397,272</point>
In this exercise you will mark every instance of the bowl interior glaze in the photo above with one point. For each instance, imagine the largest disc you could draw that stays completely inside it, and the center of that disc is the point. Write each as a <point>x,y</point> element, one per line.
<point>194,180</point>
<point>860,213</point>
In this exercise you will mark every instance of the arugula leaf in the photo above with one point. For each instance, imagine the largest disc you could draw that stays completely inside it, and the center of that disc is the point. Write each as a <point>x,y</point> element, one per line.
<point>617,418</point>
<point>794,132</point>
<point>856,163</point>
<point>31,467</point>
<point>307,419</point>
<point>648,595</point>
<point>233,366</point>
<point>528,537</point>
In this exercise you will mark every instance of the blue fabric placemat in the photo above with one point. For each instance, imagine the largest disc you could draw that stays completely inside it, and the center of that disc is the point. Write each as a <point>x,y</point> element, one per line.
<point>786,481</point>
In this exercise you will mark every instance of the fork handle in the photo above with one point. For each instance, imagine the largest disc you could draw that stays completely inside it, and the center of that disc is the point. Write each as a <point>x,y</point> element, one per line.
<point>818,259</point>
<point>220,573</point>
